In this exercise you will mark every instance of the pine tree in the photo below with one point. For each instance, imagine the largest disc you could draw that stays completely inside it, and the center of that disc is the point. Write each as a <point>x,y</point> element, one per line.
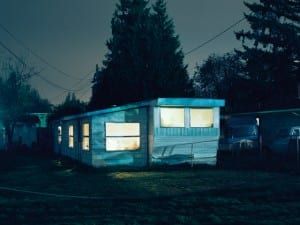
<point>169,74</point>
<point>144,58</point>
<point>121,80</point>
<point>273,47</point>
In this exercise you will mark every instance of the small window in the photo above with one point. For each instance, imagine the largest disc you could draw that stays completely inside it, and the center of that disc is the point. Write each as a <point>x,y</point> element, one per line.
<point>71,136</point>
<point>59,134</point>
<point>122,136</point>
<point>201,117</point>
<point>172,117</point>
<point>86,136</point>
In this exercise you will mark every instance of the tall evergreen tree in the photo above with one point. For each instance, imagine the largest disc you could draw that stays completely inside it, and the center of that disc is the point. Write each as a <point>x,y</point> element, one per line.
<point>144,58</point>
<point>121,79</point>
<point>169,74</point>
<point>272,48</point>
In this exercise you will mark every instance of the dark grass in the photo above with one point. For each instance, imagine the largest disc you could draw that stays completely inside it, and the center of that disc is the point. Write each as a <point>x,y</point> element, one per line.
<point>177,195</point>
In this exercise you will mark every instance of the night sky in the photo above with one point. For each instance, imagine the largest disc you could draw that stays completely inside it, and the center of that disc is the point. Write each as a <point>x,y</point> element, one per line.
<point>71,35</point>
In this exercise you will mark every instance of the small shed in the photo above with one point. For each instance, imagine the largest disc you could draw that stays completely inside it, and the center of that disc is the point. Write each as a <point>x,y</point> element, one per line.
<point>160,131</point>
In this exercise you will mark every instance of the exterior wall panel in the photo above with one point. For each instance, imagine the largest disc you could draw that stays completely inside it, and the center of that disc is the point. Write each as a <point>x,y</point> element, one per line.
<point>136,158</point>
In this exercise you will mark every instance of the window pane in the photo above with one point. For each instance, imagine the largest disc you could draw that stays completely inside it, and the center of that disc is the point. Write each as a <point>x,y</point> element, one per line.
<point>59,139</point>
<point>201,117</point>
<point>86,143</point>
<point>122,143</point>
<point>86,129</point>
<point>122,129</point>
<point>71,142</point>
<point>71,130</point>
<point>172,117</point>
<point>59,130</point>
<point>59,133</point>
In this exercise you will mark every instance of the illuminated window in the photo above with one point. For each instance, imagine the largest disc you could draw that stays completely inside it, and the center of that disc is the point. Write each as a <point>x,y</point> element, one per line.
<point>201,117</point>
<point>59,134</point>
<point>86,136</point>
<point>122,136</point>
<point>71,136</point>
<point>172,117</point>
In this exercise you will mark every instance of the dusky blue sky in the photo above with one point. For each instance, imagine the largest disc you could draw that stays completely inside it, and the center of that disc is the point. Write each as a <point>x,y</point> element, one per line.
<point>71,35</point>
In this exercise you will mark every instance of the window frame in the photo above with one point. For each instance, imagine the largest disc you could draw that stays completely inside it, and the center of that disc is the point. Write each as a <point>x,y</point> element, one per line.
<point>160,117</point>
<point>71,136</point>
<point>190,118</point>
<point>129,136</point>
<point>83,136</point>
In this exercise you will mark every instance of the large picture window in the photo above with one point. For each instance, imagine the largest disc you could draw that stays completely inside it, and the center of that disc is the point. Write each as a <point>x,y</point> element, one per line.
<point>59,134</point>
<point>71,136</point>
<point>86,136</point>
<point>122,136</point>
<point>201,117</point>
<point>172,117</point>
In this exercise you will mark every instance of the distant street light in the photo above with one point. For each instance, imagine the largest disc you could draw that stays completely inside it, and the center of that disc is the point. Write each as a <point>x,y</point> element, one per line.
<point>296,61</point>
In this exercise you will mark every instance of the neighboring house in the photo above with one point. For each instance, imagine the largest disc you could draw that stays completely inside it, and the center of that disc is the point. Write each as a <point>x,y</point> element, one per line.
<point>25,131</point>
<point>161,131</point>
<point>29,130</point>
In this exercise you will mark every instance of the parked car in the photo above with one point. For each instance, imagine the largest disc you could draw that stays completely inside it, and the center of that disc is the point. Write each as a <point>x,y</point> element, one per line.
<point>283,141</point>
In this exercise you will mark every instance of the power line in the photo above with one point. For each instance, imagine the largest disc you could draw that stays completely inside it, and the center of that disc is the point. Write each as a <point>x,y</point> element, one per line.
<point>36,55</point>
<point>12,53</point>
<point>215,37</point>
<point>80,88</point>
<point>40,76</point>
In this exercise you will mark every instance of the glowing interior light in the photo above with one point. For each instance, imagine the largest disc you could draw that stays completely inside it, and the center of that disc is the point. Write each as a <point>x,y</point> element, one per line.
<point>71,136</point>
<point>122,136</point>
<point>172,117</point>
<point>59,134</point>
<point>201,117</point>
<point>86,136</point>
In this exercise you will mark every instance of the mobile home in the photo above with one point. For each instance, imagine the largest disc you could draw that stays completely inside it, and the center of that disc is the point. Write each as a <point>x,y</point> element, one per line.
<point>160,131</point>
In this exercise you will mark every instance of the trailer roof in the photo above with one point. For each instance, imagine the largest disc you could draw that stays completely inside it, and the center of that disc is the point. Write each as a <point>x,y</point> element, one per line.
<point>168,102</point>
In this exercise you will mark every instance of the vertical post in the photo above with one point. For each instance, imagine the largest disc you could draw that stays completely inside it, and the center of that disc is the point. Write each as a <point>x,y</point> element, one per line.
<point>298,138</point>
<point>192,155</point>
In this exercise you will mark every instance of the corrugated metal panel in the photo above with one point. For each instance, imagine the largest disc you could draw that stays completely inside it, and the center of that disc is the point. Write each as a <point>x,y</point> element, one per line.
<point>186,132</point>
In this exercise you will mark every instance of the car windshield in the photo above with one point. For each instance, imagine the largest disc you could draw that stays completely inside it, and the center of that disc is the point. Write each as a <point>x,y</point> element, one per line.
<point>242,131</point>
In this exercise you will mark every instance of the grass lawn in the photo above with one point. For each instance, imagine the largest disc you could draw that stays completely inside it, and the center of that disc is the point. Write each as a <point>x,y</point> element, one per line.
<point>173,196</point>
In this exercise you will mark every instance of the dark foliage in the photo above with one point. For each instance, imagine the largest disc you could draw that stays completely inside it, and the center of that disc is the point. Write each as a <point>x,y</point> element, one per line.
<point>220,77</point>
<point>70,106</point>
<point>271,50</point>
<point>17,97</point>
<point>144,58</point>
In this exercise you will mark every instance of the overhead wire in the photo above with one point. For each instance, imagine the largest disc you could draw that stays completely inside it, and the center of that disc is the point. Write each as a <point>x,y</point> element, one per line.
<point>80,80</point>
<point>37,74</point>
<point>215,37</point>
<point>46,62</point>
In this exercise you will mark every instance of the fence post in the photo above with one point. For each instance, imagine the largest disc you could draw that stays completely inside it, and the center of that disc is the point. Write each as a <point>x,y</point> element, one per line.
<point>298,152</point>
<point>192,156</point>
